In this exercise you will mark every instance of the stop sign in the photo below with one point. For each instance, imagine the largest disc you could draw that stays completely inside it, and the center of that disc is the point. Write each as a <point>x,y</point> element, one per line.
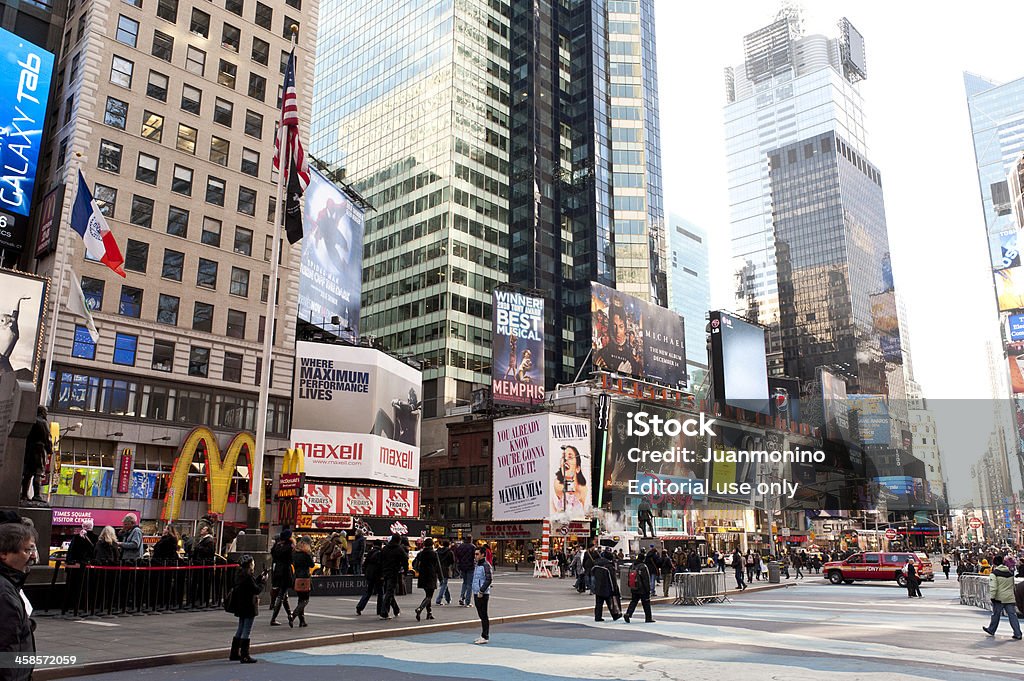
<point>976,523</point>
<point>891,534</point>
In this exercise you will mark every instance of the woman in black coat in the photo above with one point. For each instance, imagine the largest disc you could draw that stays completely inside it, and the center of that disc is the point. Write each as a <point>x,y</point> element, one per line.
<point>244,604</point>
<point>428,565</point>
<point>281,576</point>
<point>302,560</point>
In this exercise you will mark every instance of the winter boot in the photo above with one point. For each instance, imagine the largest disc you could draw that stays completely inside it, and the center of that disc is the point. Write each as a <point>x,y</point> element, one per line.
<point>244,653</point>
<point>235,643</point>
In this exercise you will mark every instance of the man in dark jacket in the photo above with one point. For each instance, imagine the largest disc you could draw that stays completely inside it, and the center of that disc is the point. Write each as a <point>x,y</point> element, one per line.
<point>394,561</point>
<point>358,549</point>
<point>374,583</point>
<point>465,563</point>
<point>606,588</point>
<point>641,576</point>
<point>589,558</point>
<point>17,551</point>
<point>653,562</point>
<point>280,576</point>
<point>38,449</point>
<point>693,563</point>
<point>428,568</point>
<point>447,560</point>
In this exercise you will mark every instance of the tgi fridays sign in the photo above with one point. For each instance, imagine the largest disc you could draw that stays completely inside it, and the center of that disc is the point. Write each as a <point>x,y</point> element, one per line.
<point>359,501</point>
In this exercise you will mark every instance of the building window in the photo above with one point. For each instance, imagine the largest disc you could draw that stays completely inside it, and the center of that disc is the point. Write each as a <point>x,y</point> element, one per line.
<point>163,46</point>
<point>93,291</point>
<point>125,346</point>
<point>157,86</point>
<point>211,232</point>
<point>206,276</point>
<point>174,265</point>
<point>136,255</point>
<point>243,241</point>
<point>127,31</point>
<point>181,182</point>
<point>271,211</point>
<point>226,74</point>
<point>239,282</point>
<point>260,51</point>
<point>202,317</point>
<point>198,362</point>
<point>250,162</point>
<point>177,222</point>
<point>187,137</point>
<point>246,201</point>
<point>109,157</point>
<point>232,367</point>
<point>147,169</point>
<point>106,199</point>
<point>152,126</point>
<point>82,346</point>
<point>235,6</point>
<point>236,324</point>
<point>131,302</point>
<point>142,212</point>
<point>257,87</point>
<point>115,114</point>
<point>195,61</point>
<point>286,29</point>
<point>282,67</point>
<point>191,99</point>
<point>264,16</point>
<point>265,288</point>
<point>200,24</point>
<point>215,190</point>
<point>223,111</point>
<point>231,37</point>
<point>253,124</point>
<point>163,355</point>
<point>297,4</point>
<point>167,10</point>
<point>219,150</point>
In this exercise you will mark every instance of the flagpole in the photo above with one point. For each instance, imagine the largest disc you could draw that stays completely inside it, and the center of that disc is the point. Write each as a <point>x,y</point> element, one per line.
<point>256,459</point>
<point>62,262</point>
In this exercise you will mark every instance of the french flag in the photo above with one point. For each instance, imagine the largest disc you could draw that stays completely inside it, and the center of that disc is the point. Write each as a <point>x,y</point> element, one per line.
<point>88,221</point>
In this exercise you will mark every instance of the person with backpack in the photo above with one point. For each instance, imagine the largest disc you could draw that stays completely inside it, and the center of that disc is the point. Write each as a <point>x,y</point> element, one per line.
<point>428,567</point>
<point>447,560</point>
<point>606,589</point>
<point>1001,591</point>
<point>243,602</point>
<point>738,567</point>
<point>638,578</point>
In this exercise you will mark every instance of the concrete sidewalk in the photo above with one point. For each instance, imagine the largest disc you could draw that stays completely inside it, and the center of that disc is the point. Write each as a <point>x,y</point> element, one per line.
<point>135,642</point>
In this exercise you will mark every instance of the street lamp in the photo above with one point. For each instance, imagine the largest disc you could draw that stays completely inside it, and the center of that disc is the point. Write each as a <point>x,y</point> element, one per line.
<point>165,438</point>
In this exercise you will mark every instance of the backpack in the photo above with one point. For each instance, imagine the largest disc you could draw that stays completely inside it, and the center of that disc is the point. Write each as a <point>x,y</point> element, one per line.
<point>634,576</point>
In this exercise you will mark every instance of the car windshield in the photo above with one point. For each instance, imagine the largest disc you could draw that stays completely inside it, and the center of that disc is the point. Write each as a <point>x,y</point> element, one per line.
<point>858,558</point>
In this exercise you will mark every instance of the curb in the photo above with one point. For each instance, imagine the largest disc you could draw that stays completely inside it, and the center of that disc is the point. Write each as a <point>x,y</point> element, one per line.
<point>109,666</point>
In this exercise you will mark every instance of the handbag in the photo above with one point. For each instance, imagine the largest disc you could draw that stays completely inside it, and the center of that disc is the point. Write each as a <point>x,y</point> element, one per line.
<point>303,585</point>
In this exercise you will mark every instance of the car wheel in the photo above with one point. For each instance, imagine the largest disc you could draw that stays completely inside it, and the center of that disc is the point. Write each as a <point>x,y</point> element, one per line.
<point>901,579</point>
<point>835,576</point>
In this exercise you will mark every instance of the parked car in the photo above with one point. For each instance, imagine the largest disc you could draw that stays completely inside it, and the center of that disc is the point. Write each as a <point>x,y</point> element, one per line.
<point>877,566</point>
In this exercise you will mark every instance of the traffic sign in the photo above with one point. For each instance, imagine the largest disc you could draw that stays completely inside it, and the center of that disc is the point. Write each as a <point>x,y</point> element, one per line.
<point>891,534</point>
<point>976,523</point>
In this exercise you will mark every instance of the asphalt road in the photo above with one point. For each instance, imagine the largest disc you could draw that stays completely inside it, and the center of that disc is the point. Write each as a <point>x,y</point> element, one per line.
<point>813,632</point>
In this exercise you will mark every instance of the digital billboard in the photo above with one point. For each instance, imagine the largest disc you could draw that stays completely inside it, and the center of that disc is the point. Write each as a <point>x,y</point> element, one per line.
<point>886,324</point>
<point>22,304</point>
<point>619,470</point>
<point>1015,327</point>
<point>26,88</point>
<point>542,468</point>
<point>356,414</point>
<point>330,281</point>
<point>1010,288</point>
<point>785,398</point>
<point>635,338</point>
<point>739,362</point>
<point>872,418</point>
<point>517,374</point>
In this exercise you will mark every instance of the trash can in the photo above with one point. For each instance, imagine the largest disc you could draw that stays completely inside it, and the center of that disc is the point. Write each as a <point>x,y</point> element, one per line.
<point>774,572</point>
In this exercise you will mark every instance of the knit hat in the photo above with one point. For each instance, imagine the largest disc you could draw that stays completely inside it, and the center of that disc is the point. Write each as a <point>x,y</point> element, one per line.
<point>286,534</point>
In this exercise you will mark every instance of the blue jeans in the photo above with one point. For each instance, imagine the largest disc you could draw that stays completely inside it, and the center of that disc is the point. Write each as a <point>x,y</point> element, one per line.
<point>654,585</point>
<point>467,587</point>
<point>1011,614</point>
<point>244,627</point>
<point>370,591</point>
<point>443,592</point>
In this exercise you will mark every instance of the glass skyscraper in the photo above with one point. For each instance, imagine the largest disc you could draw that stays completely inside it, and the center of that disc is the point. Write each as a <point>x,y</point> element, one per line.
<point>689,291</point>
<point>499,142</point>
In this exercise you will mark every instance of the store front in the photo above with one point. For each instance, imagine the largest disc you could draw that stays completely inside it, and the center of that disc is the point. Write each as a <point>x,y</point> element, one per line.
<point>510,542</point>
<point>724,539</point>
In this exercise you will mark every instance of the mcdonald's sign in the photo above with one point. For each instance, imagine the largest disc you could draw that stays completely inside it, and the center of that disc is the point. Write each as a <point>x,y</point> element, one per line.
<point>292,474</point>
<point>219,471</point>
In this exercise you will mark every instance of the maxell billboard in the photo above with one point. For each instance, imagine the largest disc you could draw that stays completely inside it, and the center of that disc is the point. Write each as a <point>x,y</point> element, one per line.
<point>356,414</point>
<point>517,376</point>
<point>542,468</point>
<point>25,83</point>
<point>634,338</point>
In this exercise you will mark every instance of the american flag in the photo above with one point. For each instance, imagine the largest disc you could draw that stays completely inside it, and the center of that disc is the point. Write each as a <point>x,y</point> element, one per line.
<point>296,176</point>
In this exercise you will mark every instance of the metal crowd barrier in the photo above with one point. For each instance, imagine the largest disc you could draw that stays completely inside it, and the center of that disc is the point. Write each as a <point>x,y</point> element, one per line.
<point>974,591</point>
<point>698,588</point>
<point>142,588</point>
